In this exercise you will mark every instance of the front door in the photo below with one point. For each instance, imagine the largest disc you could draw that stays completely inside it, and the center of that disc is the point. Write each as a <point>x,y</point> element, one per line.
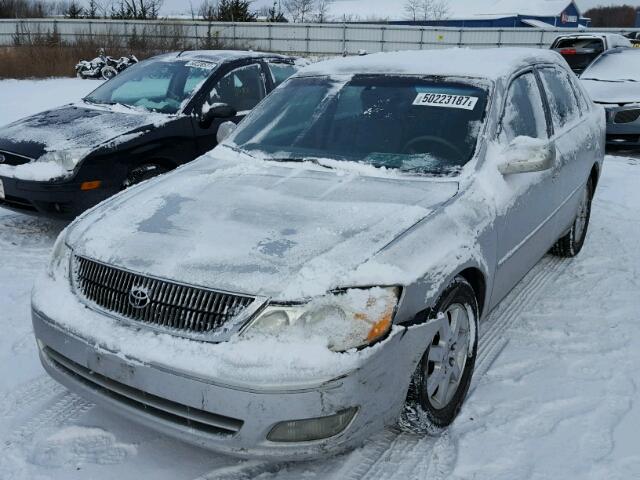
<point>241,87</point>
<point>525,221</point>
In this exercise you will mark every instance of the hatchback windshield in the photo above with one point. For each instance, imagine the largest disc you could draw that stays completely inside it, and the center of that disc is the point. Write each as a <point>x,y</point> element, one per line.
<point>412,124</point>
<point>158,86</point>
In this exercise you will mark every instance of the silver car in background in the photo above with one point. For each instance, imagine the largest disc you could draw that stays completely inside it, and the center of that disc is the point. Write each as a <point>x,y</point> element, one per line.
<point>321,274</point>
<point>613,81</point>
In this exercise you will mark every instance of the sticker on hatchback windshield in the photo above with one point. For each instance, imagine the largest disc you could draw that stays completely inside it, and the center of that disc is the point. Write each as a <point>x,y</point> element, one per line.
<point>200,64</point>
<point>446,100</point>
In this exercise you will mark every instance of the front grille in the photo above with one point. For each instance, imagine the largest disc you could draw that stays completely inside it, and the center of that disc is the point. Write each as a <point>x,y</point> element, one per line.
<point>14,159</point>
<point>626,116</point>
<point>156,302</point>
<point>144,402</point>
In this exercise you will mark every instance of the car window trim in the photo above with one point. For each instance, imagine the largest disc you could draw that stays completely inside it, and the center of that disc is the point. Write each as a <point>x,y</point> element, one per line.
<point>532,70</point>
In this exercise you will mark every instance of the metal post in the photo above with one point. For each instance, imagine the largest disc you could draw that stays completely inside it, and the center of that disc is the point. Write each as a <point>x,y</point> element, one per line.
<point>344,37</point>
<point>422,38</point>
<point>308,47</point>
<point>382,30</point>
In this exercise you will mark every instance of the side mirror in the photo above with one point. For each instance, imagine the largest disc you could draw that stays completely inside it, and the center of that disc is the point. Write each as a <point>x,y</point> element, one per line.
<point>526,155</point>
<point>224,130</point>
<point>217,110</point>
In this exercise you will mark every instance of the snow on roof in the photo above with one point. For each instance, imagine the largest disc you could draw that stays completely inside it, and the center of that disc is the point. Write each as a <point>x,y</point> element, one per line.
<point>218,56</point>
<point>491,63</point>
<point>540,8</point>
<point>459,9</point>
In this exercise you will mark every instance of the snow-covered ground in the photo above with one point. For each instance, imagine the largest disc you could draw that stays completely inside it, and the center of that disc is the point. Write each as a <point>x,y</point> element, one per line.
<point>555,393</point>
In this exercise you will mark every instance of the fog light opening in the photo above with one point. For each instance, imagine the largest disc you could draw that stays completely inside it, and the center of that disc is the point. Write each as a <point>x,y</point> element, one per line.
<point>313,428</point>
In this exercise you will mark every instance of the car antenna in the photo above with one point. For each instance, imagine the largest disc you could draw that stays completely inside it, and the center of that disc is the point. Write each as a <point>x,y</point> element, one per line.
<point>182,52</point>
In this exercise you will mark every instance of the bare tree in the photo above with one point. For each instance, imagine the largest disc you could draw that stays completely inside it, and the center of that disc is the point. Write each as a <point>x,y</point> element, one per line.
<point>422,10</point>
<point>136,9</point>
<point>412,8</point>
<point>321,13</point>
<point>299,10</point>
<point>209,10</point>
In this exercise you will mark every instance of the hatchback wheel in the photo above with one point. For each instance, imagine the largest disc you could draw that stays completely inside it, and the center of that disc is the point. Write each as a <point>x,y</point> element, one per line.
<point>142,173</point>
<point>441,380</point>
<point>571,244</point>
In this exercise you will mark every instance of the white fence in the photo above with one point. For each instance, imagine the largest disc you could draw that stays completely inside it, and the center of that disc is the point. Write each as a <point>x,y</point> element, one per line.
<point>310,39</point>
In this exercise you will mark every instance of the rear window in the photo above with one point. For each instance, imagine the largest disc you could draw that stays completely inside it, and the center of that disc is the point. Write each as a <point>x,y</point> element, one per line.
<point>281,71</point>
<point>595,44</point>
<point>562,99</point>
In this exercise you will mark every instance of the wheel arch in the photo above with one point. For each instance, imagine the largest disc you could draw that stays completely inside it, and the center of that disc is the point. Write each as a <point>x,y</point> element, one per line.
<point>477,280</point>
<point>594,176</point>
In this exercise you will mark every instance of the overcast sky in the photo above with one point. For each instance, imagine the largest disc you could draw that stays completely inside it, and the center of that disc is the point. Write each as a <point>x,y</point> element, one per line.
<point>392,8</point>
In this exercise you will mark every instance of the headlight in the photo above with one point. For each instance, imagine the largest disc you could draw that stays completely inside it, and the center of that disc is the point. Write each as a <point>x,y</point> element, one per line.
<point>348,319</point>
<point>60,257</point>
<point>67,159</point>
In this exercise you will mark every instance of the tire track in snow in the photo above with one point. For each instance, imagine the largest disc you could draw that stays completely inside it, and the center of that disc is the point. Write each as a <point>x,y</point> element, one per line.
<point>394,454</point>
<point>24,396</point>
<point>65,409</point>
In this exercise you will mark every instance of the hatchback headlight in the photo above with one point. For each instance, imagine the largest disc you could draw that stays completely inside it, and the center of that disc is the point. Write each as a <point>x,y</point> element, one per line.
<point>347,319</point>
<point>60,257</point>
<point>67,159</point>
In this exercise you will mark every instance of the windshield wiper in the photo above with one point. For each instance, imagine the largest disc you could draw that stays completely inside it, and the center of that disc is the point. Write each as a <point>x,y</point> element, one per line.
<point>315,161</point>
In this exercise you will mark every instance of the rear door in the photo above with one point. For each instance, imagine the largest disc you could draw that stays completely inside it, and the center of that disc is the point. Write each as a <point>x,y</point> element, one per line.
<point>573,136</point>
<point>242,86</point>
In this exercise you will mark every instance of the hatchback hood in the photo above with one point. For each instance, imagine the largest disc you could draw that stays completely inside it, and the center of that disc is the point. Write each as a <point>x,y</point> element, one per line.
<point>77,126</point>
<point>613,92</point>
<point>279,230</point>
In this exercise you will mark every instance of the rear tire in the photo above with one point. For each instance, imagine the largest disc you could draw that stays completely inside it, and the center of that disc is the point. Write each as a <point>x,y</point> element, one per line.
<point>441,380</point>
<point>571,244</point>
<point>143,172</point>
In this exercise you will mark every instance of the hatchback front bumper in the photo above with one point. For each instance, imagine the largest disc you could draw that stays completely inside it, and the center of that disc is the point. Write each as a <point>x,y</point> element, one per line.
<point>236,419</point>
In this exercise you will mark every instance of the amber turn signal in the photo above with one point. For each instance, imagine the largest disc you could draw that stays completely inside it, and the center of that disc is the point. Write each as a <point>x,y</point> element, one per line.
<point>90,185</point>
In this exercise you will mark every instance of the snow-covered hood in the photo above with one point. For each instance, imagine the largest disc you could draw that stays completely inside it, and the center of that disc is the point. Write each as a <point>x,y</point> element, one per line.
<point>278,230</point>
<point>75,126</point>
<point>613,92</point>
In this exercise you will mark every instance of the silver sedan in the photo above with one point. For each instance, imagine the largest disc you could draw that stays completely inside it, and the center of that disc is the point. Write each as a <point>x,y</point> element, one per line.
<point>322,273</point>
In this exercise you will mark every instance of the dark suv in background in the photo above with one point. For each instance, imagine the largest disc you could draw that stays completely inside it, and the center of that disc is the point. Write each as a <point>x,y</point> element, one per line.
<point>580,50</point>
<point>158,114</point>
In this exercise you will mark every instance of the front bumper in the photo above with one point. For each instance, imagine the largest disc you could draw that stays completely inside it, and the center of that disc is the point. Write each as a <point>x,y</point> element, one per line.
<point>235,419</point>
<point>623,126</point>
<point>59,200</point>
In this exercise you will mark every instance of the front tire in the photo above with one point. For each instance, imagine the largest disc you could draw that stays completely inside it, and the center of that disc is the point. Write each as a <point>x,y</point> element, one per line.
<point>571,244</point>
<point>442,378</point>
<point>143,172</point>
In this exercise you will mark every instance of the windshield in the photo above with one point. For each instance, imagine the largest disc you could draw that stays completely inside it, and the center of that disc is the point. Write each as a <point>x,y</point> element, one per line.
<point>412,124</point>
<point>158,86</point>
<point>615,66</point>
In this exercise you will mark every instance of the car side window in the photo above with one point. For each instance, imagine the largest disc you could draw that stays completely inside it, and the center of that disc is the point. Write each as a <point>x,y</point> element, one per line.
<point>280,71</point>
<point>242,88</point>
<point>524,110</point>
<point>562,99</point>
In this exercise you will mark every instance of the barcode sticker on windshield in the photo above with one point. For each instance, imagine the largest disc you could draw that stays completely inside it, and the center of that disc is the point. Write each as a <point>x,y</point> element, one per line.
<point>446,100</point>
<point>201,64</point>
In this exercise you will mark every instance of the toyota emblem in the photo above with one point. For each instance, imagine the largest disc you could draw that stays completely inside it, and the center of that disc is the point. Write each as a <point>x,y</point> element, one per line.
<point>139,297</point>
<point>2,158</point>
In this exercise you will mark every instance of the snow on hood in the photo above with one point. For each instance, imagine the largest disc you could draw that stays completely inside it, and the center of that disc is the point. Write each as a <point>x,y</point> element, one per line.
<point>75,126</point>
<point>279,230</point>
<point>613,92</point>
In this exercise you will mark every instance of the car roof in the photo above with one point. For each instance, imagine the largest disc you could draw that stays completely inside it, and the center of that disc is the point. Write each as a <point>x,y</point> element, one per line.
<point>219,56</point>
<point>490,63</point>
